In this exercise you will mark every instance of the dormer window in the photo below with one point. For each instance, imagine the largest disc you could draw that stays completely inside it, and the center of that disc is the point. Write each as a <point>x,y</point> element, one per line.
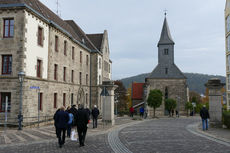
<point>166,51</point>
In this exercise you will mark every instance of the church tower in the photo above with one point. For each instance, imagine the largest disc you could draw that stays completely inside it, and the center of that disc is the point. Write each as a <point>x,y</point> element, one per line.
<point>166,76</point>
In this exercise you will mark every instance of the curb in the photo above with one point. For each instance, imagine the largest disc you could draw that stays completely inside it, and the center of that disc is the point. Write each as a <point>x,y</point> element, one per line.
<point>193,128</point>
<point>211,135</point>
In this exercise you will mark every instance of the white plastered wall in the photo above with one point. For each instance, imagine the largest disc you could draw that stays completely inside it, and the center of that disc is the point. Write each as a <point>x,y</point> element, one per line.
<point>33,50</point>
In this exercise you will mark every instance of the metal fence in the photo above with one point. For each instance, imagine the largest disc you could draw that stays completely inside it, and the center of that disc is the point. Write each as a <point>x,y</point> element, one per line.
<point>27,121</point>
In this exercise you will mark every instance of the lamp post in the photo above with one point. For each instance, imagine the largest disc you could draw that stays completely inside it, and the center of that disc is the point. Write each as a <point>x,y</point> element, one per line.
<point>21,76</point>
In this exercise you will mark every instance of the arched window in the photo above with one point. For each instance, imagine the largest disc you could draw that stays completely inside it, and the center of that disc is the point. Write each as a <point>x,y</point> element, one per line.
<point>166,93</point>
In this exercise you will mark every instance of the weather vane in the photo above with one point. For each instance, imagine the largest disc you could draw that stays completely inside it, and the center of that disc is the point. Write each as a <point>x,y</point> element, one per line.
<point>165,12</point>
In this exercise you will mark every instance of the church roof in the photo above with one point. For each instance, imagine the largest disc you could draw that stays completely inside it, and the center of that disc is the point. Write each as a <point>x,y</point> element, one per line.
<point>173,73</point>
<point>166,37</point>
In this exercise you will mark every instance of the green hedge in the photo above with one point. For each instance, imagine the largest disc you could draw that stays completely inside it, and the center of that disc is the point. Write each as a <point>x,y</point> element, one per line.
<point>226,118</point>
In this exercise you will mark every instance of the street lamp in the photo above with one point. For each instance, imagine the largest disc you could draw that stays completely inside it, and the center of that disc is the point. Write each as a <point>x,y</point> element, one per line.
<point>21,76</point>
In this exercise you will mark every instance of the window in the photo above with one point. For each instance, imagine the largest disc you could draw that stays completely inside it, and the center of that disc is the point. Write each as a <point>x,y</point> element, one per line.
<point>109,68</point>
<point>87,60</point>
<point>3,97</point>
<point>166,70</point>
<point>99,63</point>
<point>40,102</point>
<point>8,28</point>
<point>166,51</point>
<point>64,74</point>
<point>55,71</point>
<point>72,76</point>
<point>86,79</point>
<point>166,93</point>
<point>99,79</point>
<point>55,100</point>
<point>56,43</point>
<point>65,47</point>
<point>71,99</point>
<point>6,64</point>
<point>80,56</point>
<point>39,65</point>
<point>80,77</point>
<point>40,36</point>
<point>64,96</point>
<point>228,23</point>
<point>72,53</point>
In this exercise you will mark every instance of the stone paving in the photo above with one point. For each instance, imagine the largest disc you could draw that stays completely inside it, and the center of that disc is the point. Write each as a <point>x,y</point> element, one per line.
<point>168,136</point>
<point>165,135</point>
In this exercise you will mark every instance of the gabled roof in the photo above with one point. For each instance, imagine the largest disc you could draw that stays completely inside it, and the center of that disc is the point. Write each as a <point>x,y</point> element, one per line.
<point>137,91</point>
<point>96,39</point>
<point>45,12</point>
<point>81,34</point>
<point>166,37</point>
<point>173,73</point>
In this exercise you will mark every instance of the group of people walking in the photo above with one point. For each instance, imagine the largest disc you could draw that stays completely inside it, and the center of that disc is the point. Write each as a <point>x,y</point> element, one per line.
<point>66,119</point>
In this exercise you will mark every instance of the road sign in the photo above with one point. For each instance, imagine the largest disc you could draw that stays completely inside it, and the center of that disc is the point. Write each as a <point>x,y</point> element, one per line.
<point>35,87</point>
<point>104,92</point>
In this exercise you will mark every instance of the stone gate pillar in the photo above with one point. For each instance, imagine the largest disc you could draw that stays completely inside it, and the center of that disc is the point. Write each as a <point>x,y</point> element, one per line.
<point>215,107</point>
<point>107,97</point>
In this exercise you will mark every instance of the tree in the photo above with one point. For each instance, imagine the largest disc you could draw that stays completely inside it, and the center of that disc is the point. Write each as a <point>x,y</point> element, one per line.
<point>121,96</point>
<point>155,99</point>
<point>188,106</point>
<point>170,104</point>
<point>129,97</point>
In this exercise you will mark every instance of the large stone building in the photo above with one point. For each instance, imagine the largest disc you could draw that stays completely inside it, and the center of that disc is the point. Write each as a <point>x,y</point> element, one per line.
<point>166,76</point>
<point>227,50</point>
<point>56,55</point>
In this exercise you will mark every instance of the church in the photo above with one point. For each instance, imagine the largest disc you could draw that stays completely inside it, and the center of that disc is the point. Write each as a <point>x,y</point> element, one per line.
<point>166,76</point>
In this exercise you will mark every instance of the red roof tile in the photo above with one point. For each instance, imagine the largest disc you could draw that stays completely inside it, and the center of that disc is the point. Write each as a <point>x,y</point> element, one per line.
<point>137,91</point>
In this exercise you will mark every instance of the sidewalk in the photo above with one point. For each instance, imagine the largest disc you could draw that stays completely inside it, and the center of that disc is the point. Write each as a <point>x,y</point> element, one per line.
<point>47,133</point>
<point>216,133</point>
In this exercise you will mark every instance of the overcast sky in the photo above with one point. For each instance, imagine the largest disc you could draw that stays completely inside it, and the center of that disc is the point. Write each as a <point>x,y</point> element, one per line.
<point>134,27</point>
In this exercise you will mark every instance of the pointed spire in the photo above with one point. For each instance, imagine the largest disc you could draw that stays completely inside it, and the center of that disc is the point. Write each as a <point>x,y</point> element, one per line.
<point>166,37</point>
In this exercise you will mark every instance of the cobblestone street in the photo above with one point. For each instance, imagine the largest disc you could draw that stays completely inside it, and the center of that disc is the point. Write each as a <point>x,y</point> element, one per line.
<point>165,135</point>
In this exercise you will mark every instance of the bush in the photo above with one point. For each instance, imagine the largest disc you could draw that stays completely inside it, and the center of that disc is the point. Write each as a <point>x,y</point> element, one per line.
<point>226,118</point>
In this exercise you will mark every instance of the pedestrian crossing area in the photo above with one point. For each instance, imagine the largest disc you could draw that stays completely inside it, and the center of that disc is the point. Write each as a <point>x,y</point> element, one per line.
<point>27,135</point>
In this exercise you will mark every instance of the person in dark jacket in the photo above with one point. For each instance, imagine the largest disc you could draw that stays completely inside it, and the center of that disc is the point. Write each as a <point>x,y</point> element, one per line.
<point>82,119</point>
<point>55,124</point>
<point>73,110</point>
<point>95,113</point>
<point>88,111</point>
<point>204,116</point>
<point>61,119</point>
<point>142,110</point>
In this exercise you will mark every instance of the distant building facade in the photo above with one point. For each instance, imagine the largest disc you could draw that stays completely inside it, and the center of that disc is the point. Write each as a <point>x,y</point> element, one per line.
<point>167,77</point>
<point>56,55</point>
<point>227,50</point>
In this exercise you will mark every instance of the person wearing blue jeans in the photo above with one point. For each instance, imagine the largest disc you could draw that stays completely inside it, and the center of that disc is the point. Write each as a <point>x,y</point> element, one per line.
<point>204,114</point>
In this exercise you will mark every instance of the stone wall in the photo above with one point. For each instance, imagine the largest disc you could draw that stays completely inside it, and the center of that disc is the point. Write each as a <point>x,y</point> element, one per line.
<point>176,88</point>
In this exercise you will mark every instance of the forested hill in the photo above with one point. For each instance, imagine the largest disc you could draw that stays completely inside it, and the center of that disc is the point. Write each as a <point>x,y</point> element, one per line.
<point>195,81</point>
